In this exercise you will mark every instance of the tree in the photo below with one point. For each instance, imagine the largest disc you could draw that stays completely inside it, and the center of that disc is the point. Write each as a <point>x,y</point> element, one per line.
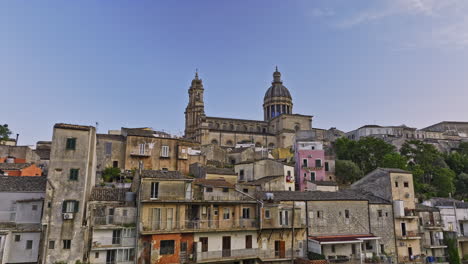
<point>347,172</point>
<point>110,173</point>
<point>394,160</point>
<point>345,148</point>
<point>461,186</point>
<point>443,180</point>
<point>5,132</point>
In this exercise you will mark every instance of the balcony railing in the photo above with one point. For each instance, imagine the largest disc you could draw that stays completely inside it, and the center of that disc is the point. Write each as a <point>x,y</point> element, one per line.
<point>138,153</point>
<point>222,197</point>
<point>275,254</point>
<point>114,242</point>
<point>114,220</point>
<point>232,253</point>
<point>190,225</point>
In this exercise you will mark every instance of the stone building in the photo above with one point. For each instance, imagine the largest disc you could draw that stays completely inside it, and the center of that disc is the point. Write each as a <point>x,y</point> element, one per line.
<point>396,185</point>
<point>251,171</point>
<point>21,202</point>
<point>70,180</point>
<point>431,230</point>
<point>276,130</point>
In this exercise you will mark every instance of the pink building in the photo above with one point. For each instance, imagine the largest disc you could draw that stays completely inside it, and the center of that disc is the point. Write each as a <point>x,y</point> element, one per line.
<point>310,164</point>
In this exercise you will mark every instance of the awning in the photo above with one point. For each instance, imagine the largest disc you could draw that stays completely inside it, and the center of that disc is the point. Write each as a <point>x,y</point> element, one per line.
<point>348,239</point>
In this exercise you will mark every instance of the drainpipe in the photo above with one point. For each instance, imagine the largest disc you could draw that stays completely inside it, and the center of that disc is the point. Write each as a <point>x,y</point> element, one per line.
<point>137,226</point>
<point>292,237</point>
<point>307,228</point>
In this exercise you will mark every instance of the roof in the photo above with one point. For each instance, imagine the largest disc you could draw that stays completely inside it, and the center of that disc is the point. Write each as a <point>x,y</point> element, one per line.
<point>14,166</point>
<point>265,179</point>
<point>217,183</point>
<point>440,201</point>
<point>342,195</point>
<point>108,194</point>
<point>23,183</point>
<point>160,174</point>
<point>267,159</point>
<point>277,89</point>
<point>71,126</point>
<point>145,132</point>
<point>239,150</point>
<point>425,208</point>
<point>394,170</point>
<point>368,126</point>
<point>345,238</point>
<point>222,171</point>
<point>325,183</point>
<point>237,119</point>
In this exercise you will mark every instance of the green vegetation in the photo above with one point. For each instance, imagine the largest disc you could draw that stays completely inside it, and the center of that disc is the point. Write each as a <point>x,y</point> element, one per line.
<point>5,132</point>
<point>110,174</point>
<point>435,173</point>
<point>452,249</point>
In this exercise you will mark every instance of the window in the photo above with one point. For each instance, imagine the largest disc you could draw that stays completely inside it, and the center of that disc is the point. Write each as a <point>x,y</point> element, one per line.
<point>116,236</point>
<point>241,175</point>
<point>379,212</point>
<point>124,212</point>
<point>142,149</point>
<point>245,190</point>
<point>346,213</point>
<point>51,244</point>
<point>154,190</point>
<point>108,147</point>
<point>96,254</point>
<point>386,214</point>
<point>226,214</point>
<point>245,213</point>
<point>34,207</point>
<point>406,184</point>
<point>284,218</point>
<point>312,176</point>
<point>29,244</point>
<point>267,214</point>
<point>304,163</point>
<point>165,151</point>
<point>204,244</point>
<point>209,189</point>
<point>333,248</point>
<point>128,232</point>
<point>248,241</point>
<point>66,244</point>
<point>17,238</point>
<point>74,174</point>
<point>71,144</point>
<point>319,214</point>
<point>382,248</point>
<point>70,206</point>
<point>115,164</point>
<point>327,167</point>
<point>225,189</point>
<point>167,247</point>
<point>318,163</point>
<point>289,173</point>
<point>396,184</point>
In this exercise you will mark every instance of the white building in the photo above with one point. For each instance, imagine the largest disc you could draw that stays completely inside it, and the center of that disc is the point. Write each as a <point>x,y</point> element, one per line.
<point>21,200</point>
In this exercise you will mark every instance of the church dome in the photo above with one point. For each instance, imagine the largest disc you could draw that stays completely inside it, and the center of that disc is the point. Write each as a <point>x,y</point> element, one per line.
<point>277,89</point>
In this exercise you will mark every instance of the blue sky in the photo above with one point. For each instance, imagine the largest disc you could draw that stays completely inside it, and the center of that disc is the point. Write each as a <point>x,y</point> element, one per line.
<point>130,63</point>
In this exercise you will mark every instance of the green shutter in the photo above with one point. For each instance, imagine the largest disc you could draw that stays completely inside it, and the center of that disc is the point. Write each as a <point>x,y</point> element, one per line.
<point>64,206</point>
<point>76,206</point>
<point>71,143</point>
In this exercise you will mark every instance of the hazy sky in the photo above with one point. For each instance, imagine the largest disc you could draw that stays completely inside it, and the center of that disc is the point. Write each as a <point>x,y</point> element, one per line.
<point>130,63</point>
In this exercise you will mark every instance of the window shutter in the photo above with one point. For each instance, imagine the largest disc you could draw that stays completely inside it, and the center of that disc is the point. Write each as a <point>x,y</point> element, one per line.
<point>76,206</point>
<point>64,207</point>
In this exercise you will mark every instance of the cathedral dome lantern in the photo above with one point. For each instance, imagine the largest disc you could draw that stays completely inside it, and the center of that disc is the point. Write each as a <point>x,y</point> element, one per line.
<point>277,100</point>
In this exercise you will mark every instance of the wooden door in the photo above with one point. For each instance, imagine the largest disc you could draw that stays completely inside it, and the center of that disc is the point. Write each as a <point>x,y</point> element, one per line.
<point>226,246</point>
<point>282,250</point>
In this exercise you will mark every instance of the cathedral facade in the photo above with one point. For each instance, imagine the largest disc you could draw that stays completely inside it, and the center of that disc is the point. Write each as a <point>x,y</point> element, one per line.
<point>277,130</point>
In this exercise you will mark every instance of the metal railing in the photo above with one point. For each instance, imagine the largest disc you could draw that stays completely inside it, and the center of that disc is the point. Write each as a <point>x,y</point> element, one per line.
<point>114,242</point>
<point>114,220</point>
<point>200,224</point>
<point>229,253</point>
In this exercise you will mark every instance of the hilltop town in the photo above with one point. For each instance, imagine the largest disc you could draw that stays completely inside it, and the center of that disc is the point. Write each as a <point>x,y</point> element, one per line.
<point>274,190</point>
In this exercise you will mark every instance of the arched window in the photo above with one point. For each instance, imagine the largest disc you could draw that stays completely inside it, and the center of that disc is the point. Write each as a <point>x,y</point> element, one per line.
<point>271,145</point>
<point>231,127</point>
<point>259,129</point>
<point>229,143</point>
<point>225,126</point>
<point>214,142</point>
<point>244,128</point>
<point>297,128</point>
<point>210,125</point>
<point>216,125</point>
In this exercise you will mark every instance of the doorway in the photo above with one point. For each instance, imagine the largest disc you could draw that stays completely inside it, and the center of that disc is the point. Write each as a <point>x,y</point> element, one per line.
<point>403,229</point>
<point>226,246</point>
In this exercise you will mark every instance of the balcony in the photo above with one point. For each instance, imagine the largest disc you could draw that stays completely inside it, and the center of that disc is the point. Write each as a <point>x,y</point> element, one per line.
<point>113,243</point>
<point>141,153</point>
<point>409,236</point>
<point>409,214</point>
<point>227,254</point>
<point>312,168</point>
<point>433,225</point>
<point>200,225</point>
<point>222,197</point>
<point>113,220</point>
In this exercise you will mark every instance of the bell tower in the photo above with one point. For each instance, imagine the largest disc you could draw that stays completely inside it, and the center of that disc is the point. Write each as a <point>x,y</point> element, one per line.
<point>195,109</point>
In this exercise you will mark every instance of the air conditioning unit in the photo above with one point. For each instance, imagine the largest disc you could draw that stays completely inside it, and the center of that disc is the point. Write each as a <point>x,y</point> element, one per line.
<point>67,216</point>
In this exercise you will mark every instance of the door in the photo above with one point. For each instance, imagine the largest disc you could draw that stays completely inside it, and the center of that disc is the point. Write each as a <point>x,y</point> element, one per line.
<point>410,252</point>
<point>110,256</point>
<point>156,219</point>
<point>282,250</point>
<point>403,229</point>
<point>183,251</point>
<point>226,246</point>
<point>170,218</point>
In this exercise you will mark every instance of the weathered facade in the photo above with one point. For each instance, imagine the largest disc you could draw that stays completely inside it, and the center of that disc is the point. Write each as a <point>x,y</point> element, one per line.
<point>71,176</point>
<point>397,186</point>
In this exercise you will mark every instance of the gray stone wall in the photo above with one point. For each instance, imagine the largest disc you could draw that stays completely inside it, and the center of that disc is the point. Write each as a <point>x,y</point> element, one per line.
<point>381,220</point>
